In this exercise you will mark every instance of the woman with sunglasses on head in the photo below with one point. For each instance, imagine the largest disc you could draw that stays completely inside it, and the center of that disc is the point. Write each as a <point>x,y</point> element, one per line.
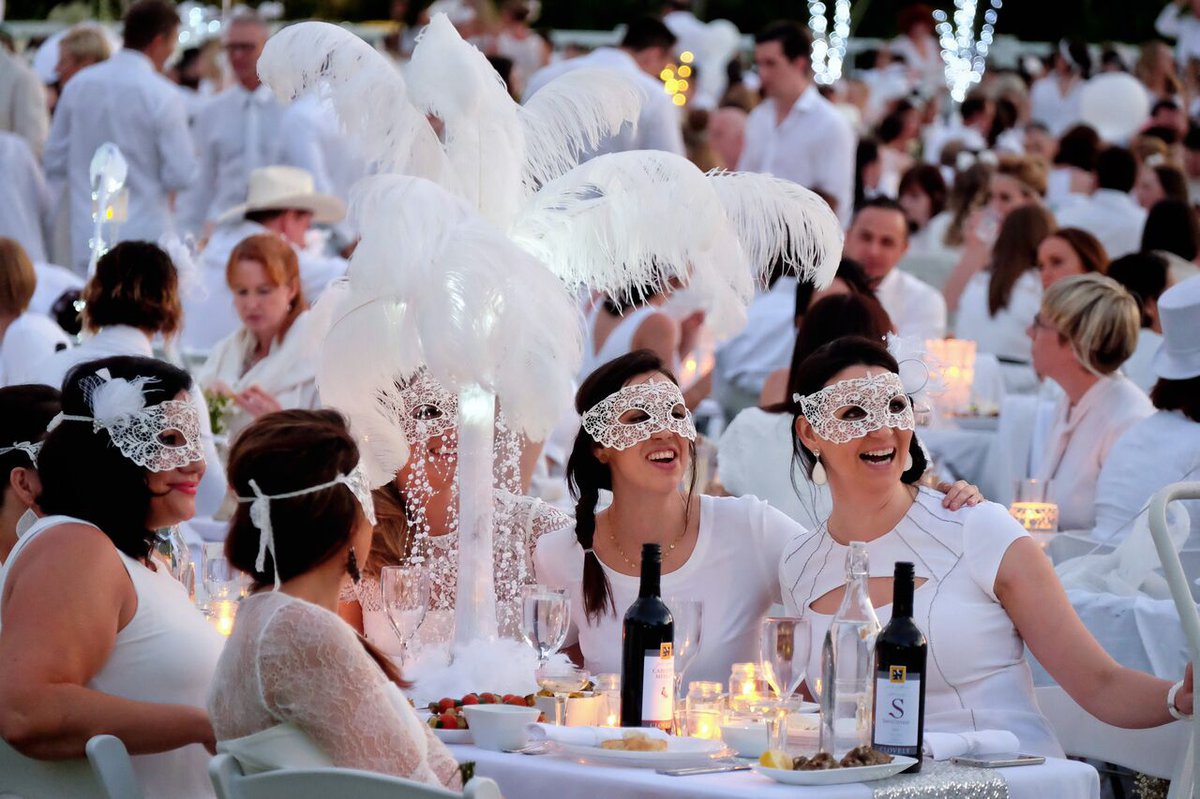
<point>984,589</point>
<point>95,635</point>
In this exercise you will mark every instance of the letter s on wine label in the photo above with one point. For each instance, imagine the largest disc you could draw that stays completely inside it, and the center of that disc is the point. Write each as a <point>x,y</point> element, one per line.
<point>894,725</point>
<point>897,711</point>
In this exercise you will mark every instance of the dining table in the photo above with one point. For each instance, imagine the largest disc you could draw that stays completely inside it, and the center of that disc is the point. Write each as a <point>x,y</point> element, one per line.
<point>553,775</point>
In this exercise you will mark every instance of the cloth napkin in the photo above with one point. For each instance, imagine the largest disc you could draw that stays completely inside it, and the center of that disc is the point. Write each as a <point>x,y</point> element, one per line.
<point>945,745</point>
<point>587,736</point>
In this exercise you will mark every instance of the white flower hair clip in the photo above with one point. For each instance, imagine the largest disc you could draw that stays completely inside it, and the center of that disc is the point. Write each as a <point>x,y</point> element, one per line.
<point>29,448</point>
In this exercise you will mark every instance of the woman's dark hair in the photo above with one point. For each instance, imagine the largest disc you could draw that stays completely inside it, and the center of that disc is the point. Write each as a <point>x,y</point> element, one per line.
<point>1015,251</point>
<point>838,316</point>
<point>290,451</point>
<point>25,411</point>
<point>849,271</point>
<point>1144,275</point>
<point>867,153</point>
<point>1078,147</point>
<point>587,475</point>
<point>927,179</point>
<point>1178,395</point>
<point>115,496</point>
<point>135,284</point>
<point>1173,182</point>
<point>1172,226</point>
<point>811,375</point>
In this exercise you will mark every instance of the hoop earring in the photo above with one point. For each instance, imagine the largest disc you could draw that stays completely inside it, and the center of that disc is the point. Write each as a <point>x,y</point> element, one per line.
<point>352,567</point>
<point>819,476</point>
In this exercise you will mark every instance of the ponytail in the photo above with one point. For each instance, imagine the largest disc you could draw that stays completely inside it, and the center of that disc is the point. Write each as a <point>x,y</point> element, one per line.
<point>588,475</point>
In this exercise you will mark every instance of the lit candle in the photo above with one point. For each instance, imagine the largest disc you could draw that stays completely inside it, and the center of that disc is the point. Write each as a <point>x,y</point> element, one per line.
<point>221,614</point>
<point>706,725</point>
<point>1036,517</point>
<point>611,721</point>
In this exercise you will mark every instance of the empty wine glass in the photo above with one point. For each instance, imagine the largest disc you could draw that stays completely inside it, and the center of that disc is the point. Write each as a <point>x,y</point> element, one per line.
<point>545,618</point>
<point>784,649</point>
<point>405,594</point>
<point>688,615</point>
<point>221,581</point>
<point>561,679</point>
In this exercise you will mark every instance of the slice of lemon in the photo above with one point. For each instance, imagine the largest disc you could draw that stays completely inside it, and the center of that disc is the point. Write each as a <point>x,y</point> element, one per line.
<point>773,758</point>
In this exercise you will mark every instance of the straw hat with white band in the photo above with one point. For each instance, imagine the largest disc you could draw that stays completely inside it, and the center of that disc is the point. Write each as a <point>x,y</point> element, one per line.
<point>284,188</point>
<point>1178,357</point>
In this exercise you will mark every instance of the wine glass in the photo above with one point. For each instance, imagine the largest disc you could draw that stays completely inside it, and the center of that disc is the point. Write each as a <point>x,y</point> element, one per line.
<point>545,618</point>
<point>220,579</point>
<point>783,650</point>
<point>688,615</point>
<point>561,679</point>
<point>405,594</point>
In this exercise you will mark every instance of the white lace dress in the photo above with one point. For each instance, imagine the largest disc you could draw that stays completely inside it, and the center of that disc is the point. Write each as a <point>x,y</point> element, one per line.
<point>295,688</point>
<point>519,522</point>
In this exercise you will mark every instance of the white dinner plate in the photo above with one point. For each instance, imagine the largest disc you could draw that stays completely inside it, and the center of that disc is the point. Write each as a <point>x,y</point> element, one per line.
<point>454,736</point>
<point>968,422</point>
<point>837,776</point>
<point>680,753</point>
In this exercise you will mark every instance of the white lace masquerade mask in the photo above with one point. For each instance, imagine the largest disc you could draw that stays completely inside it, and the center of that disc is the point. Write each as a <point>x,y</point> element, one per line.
<point>30,449</point>
<point>637,412</point>
<point>158,438</point>
<point>850,409</point>
<point>423,407</point>
<point>260,510</point>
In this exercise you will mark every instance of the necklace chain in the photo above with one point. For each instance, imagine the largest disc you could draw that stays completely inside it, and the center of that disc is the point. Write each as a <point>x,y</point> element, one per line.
<point>612,536</point>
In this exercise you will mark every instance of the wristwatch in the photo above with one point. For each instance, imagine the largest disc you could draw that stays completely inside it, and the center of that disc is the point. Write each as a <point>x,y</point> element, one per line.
<point>1174,711</point>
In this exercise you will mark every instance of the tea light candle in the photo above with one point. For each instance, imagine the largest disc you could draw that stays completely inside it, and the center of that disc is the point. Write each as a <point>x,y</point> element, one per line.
<point>957,359</point>
<point>704,724</point>
<point>221,614</point>
<point>1036,517</point>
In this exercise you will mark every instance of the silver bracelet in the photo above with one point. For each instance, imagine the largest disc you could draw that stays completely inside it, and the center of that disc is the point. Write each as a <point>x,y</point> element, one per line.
<point>1174,711</point>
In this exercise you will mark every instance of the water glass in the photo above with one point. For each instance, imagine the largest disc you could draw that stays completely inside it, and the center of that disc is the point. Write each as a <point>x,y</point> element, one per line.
<point>221,581</point>
<point>405,594</point>
<point>545,619</point>
<point>784,650</point>
<point>688,616</point>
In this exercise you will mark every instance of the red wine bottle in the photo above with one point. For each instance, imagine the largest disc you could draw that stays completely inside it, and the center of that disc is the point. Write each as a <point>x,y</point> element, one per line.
<point>900,652</point>
<point>647,652</point>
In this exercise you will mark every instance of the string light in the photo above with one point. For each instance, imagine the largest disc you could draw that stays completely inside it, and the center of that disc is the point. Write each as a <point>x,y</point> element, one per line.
<point>675,78</point>
<point>965,57</point>
<point>828,49</point>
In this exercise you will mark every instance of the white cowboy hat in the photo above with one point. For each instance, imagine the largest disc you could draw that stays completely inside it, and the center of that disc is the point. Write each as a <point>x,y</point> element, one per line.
<point>282,188</point>
<point>1178,357</point>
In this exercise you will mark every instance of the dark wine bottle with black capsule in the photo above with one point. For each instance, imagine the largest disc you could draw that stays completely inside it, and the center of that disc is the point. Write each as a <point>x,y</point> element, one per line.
<point>647,652</point>
<point>900,652</point>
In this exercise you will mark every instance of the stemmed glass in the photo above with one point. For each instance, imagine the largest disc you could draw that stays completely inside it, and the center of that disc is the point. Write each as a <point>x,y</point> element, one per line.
<point>405,594</point>
<point>783,651</point>
<point>688,615</point>
<point>561,679</point>
<point>545,618</point>
<point>221,581</point>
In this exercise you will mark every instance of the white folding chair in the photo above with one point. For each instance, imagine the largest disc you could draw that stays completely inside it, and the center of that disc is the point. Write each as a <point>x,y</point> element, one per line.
<point>107,773</point>
<point>1184,781</point>
<point>323,783</point>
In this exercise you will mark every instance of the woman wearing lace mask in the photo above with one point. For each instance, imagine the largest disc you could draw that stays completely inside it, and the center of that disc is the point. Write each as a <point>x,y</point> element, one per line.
<point>24,413</point>
<point>295,687</point>
<point>418,520</point>
<point>95,635</point>
<point>984,588</point>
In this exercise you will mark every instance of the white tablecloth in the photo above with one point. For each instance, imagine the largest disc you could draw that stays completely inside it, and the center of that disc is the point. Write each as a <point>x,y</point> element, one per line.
<point>521,776</point>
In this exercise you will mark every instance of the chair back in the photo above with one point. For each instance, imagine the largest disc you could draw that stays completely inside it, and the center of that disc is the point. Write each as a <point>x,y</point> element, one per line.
<point>106,773</point>
<point>323,783</point>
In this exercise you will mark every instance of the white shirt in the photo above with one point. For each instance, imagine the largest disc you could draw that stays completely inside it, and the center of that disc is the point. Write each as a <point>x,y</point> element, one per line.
<point>1005,334</point>
<point>28,341</point>
<point>1185,30</point>
<point>236,132</point>
<point>732,570</point>
<point>813,146</point>
<point>1140,366</point>
<point>977,676</point>
<point>1051,107</point>
<point>755,457</point>
<point>22,102</point>
<point>1113,217</point>
<point>123,100</point>
<point>916,308</point>
<point>1079,441</point>
<point>766,342</point>
<point>936,137</point>
<point>23,196</point>
<point>1161,449</point>
<point>928,68</point>
<point>658,125</point>
<point>52,281</point>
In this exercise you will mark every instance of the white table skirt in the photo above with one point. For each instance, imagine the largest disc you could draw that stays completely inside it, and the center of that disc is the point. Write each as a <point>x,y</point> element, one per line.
<point>521,776</point>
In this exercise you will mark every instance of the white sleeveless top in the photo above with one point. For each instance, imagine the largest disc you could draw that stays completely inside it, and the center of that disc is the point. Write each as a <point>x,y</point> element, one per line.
<point>977,676</point>
<point>619,341</point>
<point>167,653</point>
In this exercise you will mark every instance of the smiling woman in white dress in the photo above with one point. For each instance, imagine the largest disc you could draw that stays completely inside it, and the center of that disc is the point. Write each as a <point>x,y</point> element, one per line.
<point>984,588</point>
<point>97,637</point>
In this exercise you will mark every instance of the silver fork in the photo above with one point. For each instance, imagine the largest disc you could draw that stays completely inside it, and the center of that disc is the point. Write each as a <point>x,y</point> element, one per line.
<point>538,748</point>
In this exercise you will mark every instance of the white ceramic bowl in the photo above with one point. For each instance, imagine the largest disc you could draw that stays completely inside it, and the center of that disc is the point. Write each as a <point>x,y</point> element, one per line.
<point>582,711</point>
<point>748,739</point>
<point>499,727</point>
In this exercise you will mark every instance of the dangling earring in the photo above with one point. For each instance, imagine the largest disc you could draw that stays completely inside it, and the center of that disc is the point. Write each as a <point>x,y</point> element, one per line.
<point>352,566</point>
<point>908,463</point>
<point>819,477</point>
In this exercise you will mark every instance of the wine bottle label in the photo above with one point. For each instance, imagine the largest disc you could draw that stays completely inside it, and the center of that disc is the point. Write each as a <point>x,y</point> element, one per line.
<point>658,685</point>
<point>897,708</point>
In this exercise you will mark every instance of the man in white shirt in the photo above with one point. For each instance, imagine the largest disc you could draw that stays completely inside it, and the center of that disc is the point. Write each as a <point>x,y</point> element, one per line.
<point>283,201</point>
<point>970,129</point>
<point>1111,214</point>
<point>22,102</point>
<point>23,196</point>
<point>126,101</point>
<point>764,345</point>
<point>241,129</point>
<point>878,239</point>
<point>795,133</point>
<point>646,49</point>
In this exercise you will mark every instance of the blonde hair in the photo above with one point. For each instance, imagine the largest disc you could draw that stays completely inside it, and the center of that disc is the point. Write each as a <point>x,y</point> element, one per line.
<point>17,278</point>
<point>1097,317</point>
<point>279,261</point>
<point>87,44</point>
<point>1027,170</point>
